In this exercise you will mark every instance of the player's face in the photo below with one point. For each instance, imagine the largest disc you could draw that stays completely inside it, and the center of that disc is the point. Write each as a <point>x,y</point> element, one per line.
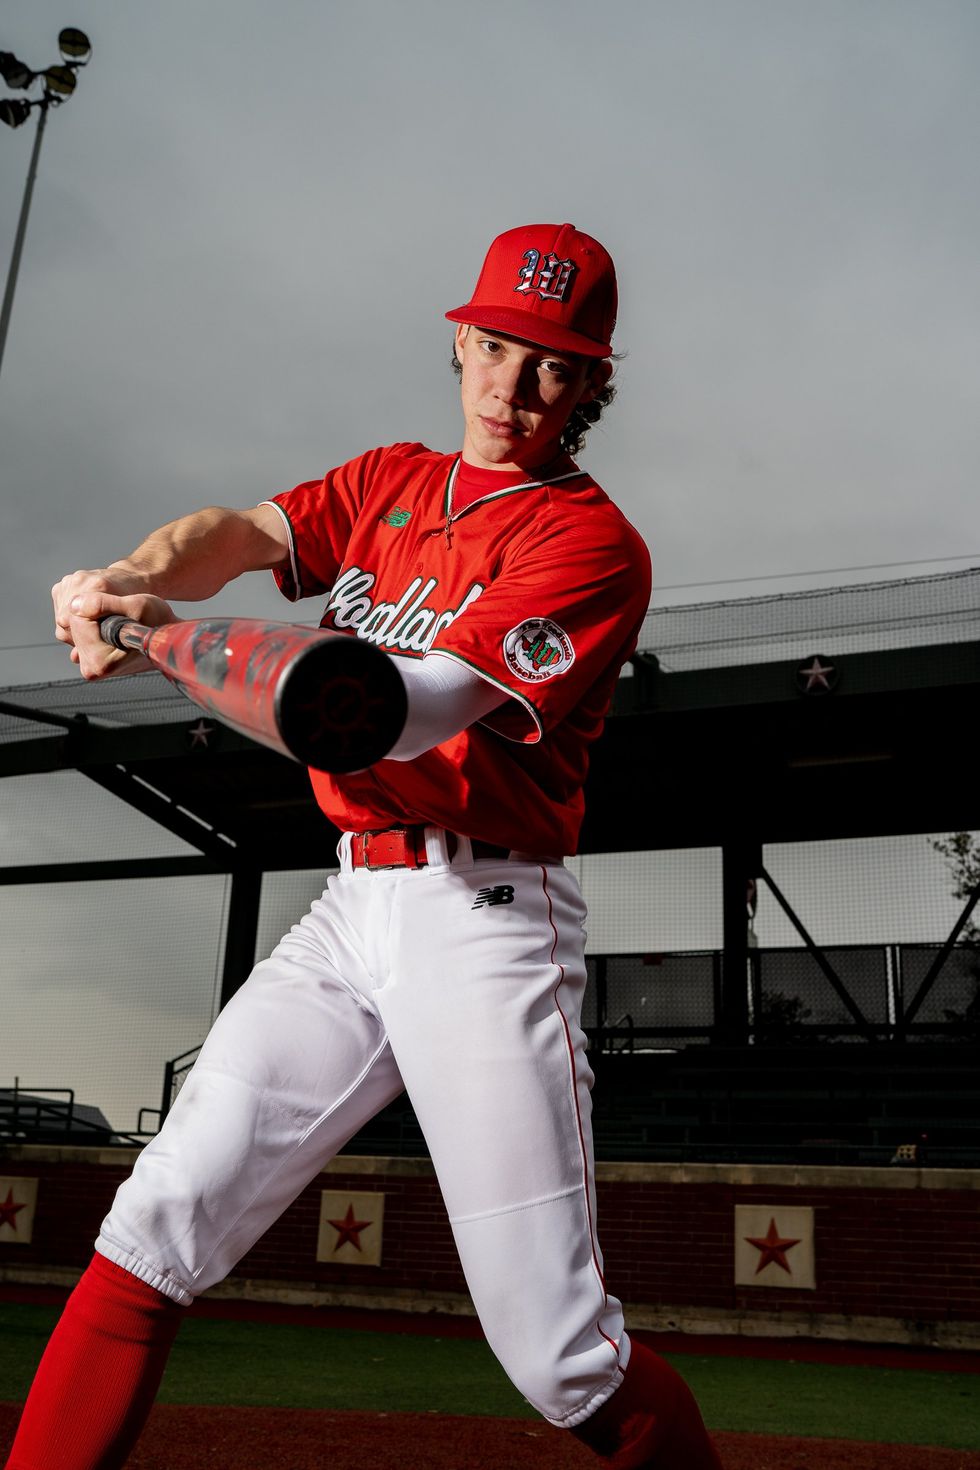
<point>517,397</point>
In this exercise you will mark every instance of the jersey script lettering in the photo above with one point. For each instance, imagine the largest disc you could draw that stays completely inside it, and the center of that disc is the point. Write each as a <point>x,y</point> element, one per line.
<point>406,626</point>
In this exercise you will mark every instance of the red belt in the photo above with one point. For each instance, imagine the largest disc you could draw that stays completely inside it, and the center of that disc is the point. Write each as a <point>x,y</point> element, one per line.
<point>404,847</point>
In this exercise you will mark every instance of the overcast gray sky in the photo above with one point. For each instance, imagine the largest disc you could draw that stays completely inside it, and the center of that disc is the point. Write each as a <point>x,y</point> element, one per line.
<point>247,225</point>
<point>250,218</point>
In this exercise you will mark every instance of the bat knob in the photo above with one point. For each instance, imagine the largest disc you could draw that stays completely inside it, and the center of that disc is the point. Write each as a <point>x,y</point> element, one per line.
<point>123,633</point>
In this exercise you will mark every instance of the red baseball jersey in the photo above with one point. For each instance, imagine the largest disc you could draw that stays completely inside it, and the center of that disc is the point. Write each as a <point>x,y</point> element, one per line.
<point>539,586</point>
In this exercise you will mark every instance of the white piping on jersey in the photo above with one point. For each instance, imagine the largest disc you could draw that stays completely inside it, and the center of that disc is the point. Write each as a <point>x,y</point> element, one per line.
<point>293,565</point>
<point>497,494</point>
<point>498,684</point>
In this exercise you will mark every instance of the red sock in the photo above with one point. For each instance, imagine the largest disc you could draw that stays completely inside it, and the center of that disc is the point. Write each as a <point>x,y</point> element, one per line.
<point>99,1375</point>
<point>652,1421</point>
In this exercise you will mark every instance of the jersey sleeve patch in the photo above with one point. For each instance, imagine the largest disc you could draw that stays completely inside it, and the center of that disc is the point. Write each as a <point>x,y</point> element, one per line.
<point>537,649</point>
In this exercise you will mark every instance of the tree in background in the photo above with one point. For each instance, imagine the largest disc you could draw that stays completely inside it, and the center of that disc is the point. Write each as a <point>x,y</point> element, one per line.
<point>962,853</point>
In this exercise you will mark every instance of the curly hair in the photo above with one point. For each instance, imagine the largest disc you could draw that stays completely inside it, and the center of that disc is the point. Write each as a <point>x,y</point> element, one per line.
<point>582,417</point>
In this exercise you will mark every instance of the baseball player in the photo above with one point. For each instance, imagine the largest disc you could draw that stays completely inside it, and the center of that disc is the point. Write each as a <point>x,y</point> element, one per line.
<point>447,956</point>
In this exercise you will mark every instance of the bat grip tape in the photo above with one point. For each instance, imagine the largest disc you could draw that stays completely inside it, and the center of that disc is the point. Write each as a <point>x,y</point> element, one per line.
<point>122,632</point>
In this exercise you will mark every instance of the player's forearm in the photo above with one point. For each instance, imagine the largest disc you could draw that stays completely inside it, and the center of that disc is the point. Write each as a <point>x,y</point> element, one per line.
<point>194,557</point>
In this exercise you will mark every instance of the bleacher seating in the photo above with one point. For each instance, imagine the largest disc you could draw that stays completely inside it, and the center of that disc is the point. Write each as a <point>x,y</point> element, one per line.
<point>846,1104</point>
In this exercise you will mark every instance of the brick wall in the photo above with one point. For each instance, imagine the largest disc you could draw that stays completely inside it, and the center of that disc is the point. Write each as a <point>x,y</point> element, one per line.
<point>897,1252</point>
<point>888,1243</point>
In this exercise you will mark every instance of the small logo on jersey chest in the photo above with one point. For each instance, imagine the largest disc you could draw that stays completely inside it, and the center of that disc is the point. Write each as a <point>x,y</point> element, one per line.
<point>398,516</point>
<point>550,277</point>
<point>491,897</point>
<point>538,649</point>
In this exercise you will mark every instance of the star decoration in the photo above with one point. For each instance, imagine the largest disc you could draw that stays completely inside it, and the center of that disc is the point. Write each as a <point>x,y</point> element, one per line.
<point>772,1248</point>
<point>9,1211</point>
<point>349,1230</point>
<point>198,734</point>
<point>815,676</point>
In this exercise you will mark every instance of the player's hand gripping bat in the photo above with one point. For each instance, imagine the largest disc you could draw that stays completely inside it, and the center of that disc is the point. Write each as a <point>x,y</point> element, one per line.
<point>327,699</point>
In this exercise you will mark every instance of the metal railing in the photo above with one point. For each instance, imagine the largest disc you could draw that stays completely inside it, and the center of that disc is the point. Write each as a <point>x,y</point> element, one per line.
<point>33,1114</point>
<point>174,1076</point>
<point>902,993</point>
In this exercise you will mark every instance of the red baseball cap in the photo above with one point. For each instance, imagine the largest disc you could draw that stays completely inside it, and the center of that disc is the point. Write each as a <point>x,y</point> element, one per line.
<point>548,284</point>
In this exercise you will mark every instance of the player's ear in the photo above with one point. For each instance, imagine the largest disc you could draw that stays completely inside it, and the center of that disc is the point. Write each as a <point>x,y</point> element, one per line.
<point>600,372</point>
<point>460,338</point>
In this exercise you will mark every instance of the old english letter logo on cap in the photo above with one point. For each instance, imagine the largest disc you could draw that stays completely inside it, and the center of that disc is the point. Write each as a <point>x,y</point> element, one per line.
<point>549,284</point>
<point>549,276</point>
<point>538,649</point>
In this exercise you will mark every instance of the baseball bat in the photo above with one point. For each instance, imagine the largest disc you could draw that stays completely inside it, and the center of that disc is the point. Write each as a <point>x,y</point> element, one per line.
<point>326,699</point>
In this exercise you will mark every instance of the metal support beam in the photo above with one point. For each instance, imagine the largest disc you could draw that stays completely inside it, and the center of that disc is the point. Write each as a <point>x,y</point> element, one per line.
<point>601,991</point>
<point>241,930</point>
<point>117,870</point>
<point>741,859</point>
<point>121,782</point>
<point>836,983</point>
<point>932,974</point>
<point>29,713</point>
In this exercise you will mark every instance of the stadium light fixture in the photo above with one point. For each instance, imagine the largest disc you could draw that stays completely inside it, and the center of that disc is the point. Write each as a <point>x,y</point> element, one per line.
<point>59,80</point>
<point>14,111</point>
<point>14,72</point>
<point>58,85</point>
<point>74,45</point>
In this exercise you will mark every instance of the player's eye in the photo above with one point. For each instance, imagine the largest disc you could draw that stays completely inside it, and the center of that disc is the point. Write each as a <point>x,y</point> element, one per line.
<point>490,347</point>
<point>557,369</point>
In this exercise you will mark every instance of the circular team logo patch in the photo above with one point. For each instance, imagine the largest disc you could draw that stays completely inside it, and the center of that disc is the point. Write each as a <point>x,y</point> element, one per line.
<point>538,649</point>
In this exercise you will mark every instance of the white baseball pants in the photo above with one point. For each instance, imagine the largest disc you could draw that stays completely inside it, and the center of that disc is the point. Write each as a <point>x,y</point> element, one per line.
<point>402,979</point>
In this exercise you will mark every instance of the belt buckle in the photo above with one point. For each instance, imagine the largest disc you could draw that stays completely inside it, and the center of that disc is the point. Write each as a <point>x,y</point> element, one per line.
<point>366,850</point>
<point>408,856</point>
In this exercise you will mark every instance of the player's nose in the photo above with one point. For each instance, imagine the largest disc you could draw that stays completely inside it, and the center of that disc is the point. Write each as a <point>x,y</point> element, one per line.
<point>510,384</point>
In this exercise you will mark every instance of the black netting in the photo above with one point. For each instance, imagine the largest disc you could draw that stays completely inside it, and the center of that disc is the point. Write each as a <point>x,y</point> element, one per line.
<point>99,996</point>
<point>286,897</point>
<point>954,995</point>
<point>136,699</point>
<point>666,995</point>
<point>903,613</point>
<point>791,990</point>
<point>590,1003</point>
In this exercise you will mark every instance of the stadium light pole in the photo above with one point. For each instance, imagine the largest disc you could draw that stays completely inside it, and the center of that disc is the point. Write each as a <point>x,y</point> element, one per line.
<point>59,84</point>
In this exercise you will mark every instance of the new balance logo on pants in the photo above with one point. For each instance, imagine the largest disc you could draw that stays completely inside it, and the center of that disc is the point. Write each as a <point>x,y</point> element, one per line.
<point>490,897</point>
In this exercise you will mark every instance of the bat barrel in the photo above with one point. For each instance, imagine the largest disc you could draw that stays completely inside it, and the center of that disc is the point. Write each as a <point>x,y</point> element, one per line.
<point>327,699</point>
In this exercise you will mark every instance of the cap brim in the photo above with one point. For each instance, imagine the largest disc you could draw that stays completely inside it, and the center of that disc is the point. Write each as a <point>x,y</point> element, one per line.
<point>530,327</point>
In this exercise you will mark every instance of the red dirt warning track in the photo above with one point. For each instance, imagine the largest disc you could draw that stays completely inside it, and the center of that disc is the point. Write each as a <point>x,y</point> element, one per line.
<point>180,1437</point>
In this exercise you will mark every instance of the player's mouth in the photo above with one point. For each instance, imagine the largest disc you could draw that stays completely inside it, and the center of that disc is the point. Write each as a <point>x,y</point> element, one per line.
<point>502,428</point>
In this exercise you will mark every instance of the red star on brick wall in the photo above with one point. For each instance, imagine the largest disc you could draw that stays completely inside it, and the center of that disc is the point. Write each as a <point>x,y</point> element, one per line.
<point>772,1248</point>
<point>349,1230</point>
<point>9,1211</point>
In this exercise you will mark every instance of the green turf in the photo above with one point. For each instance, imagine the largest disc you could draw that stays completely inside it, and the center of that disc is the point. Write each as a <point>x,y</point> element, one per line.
<point>218,1361</point>
<point>899,1405</point>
